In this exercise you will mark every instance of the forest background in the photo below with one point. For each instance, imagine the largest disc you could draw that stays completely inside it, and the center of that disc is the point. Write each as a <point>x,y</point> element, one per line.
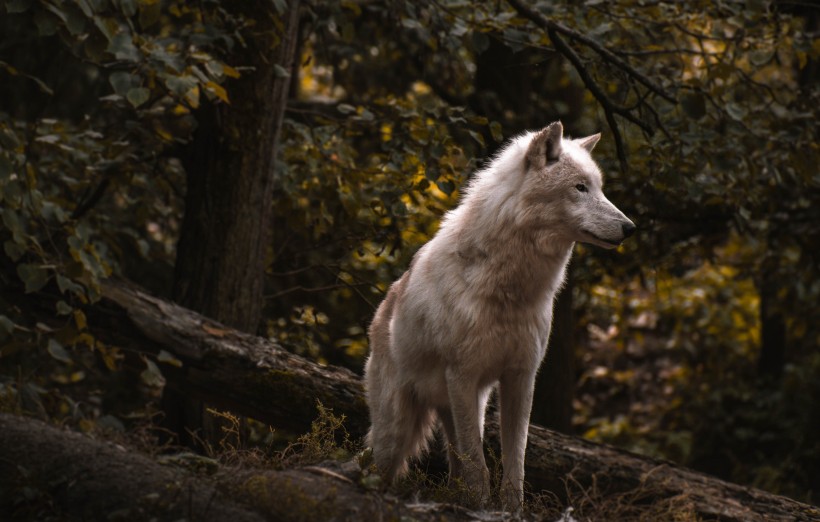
<point>276,166</point>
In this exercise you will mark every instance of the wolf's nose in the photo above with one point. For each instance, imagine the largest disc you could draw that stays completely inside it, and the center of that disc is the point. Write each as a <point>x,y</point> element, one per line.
<point>628,229</point>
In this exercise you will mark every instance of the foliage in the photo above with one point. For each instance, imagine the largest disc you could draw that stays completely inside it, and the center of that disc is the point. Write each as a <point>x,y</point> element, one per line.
<point>678,366</point>
<point>710,110</point>
<point>89,181</point>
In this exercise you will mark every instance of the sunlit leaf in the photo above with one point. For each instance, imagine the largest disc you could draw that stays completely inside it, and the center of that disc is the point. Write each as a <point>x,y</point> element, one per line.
<point>57,351</point>
<point>217,90</point>
<point>151,375</point>
<point>168,358</point>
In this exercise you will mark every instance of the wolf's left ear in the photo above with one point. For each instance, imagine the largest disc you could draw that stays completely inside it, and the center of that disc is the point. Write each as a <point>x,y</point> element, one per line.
<point>589,142</point>
<point>545,146</point>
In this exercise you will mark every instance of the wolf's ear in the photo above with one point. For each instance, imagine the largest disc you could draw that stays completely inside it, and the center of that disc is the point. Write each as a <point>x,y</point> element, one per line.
<point>589,142</point>
<point>545,146</point>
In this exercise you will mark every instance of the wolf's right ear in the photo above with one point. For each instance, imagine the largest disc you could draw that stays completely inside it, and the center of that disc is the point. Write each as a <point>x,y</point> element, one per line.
<point>545,146</point>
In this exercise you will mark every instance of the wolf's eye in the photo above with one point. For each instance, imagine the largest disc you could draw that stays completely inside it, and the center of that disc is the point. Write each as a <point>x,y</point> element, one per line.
<point>581,187</point>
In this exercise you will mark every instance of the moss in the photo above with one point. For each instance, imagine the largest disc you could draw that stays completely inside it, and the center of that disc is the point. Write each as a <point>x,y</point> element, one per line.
<point>280,498</point>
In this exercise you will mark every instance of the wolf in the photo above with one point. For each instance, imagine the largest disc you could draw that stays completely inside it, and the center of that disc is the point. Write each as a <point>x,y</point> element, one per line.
<point>474,309</point>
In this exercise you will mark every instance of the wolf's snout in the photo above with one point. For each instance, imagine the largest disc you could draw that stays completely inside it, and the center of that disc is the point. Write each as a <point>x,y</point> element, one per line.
<point>628,229</point>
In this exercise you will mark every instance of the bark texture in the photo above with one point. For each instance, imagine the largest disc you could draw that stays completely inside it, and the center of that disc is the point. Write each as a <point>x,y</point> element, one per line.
<point>258,378</point>
<point>70,476</point>
<point>227,368</point>
<point>225,234</point>
<point>85,479</point>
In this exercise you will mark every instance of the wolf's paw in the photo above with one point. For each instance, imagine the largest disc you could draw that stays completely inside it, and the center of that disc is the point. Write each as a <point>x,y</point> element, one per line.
<point>512,498</point>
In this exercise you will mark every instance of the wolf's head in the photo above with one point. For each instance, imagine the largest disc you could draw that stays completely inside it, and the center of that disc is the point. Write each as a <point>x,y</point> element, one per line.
<point>563,190</point>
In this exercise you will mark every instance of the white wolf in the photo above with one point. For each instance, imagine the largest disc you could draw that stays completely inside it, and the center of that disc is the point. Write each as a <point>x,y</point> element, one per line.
<point>475,308</point>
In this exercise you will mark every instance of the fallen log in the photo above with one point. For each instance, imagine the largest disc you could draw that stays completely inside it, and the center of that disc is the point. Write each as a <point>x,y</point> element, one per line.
<point>56,474</point>
<point>256,377</point>
<point>227,368</point>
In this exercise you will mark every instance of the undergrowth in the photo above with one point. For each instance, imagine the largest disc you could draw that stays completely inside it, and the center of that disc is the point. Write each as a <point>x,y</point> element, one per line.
<point>328,442</point>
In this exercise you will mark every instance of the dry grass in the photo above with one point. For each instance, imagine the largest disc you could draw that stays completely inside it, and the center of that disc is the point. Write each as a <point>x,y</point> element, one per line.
<point>643,503</point>
<point>329,440</point>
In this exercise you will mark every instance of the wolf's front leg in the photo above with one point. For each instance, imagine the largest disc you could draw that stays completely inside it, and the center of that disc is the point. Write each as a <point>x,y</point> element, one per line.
<point>515,390</point>
<point>465,402</point>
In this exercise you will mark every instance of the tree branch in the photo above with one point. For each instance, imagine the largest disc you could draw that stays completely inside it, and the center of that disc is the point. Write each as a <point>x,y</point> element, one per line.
<point>545,23</point>
<point>610,107</point>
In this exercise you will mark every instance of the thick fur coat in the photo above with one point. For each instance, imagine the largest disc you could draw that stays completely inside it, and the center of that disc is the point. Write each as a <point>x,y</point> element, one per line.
<point>475,307</point>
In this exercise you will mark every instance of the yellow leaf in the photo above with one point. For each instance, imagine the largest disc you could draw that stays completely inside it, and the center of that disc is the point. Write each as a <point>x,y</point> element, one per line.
<point>110,357</point>
<point>192,96</point>
<point>230,71</point>
<point>218,91</point>
<point>179,110</point>
<point>86,339</point>
<point>163,133</point>
<point>79,320</point>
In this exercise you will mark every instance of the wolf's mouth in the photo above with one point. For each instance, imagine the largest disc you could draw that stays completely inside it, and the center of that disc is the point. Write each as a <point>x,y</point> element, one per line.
<point>601,240</point>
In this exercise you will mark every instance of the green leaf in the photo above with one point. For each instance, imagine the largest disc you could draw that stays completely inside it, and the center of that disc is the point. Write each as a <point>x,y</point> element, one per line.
<point>761,56</point>
<point>481,42</point>
<point>63,308</point>
<point>180,85</point>
<point>478,137</point>
<point>737,112</point>
<point>10,219</point>
<point>138,95</point>
<point>18,6</point>
<point>6,327</point>
<point>128,7</point>
<point>346,108</point>
<point>86,8</point>
<point>495,130</point>
<point>280,5</point>
<point>33,276</point>
<point>280,71</point>
<point>13,250</point>
<point>123,48</point>
<point>75,19</point>
<point>56,350</point>
<point>46,23</point>
<point>13,192</point>
<point>66,284</point>
<point>122,82</point>
<point>107,26</point>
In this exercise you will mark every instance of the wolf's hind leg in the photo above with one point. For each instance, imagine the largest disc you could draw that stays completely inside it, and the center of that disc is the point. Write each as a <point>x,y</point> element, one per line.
<point>400,430</point>
<point>445,417</point>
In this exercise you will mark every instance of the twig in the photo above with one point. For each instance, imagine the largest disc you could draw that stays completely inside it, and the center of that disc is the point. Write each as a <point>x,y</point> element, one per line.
<point>619,144</point>
<point>542,21</point>
<point>93,198</point>
<point>564,48</point>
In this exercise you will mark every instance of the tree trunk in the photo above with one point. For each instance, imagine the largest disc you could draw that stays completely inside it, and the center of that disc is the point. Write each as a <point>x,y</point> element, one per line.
<point>255,377</point>
<point>555,386</point>
<point>772,358</point>
<point>224,241</point>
